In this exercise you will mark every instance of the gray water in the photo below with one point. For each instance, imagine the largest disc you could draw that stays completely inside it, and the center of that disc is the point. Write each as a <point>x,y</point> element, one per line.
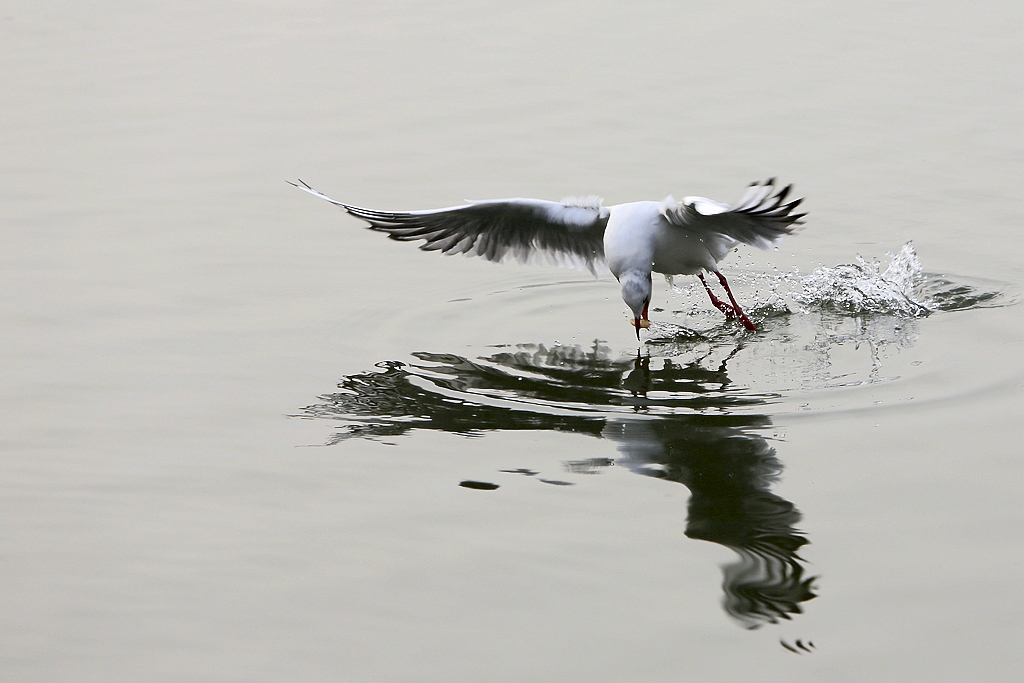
<point>235,423</point>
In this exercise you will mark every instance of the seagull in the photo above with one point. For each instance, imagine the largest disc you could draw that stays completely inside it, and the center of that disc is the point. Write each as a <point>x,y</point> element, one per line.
<point>632,239</point>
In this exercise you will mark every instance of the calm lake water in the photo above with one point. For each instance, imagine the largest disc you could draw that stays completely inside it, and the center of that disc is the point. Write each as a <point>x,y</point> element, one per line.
<point>235,423</point>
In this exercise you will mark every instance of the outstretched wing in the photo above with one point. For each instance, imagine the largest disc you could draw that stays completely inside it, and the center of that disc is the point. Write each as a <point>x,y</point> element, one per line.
<point>759,219</point>
<point>569,232</point>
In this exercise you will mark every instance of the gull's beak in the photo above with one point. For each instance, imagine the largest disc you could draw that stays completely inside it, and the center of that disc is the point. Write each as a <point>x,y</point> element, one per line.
<point>639,323</point>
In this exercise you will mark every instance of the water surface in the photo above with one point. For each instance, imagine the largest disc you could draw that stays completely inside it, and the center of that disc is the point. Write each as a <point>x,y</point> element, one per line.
<point>236,423</point>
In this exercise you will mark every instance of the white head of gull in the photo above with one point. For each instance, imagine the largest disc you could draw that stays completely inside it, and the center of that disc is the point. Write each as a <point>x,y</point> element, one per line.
<point>634,239</point>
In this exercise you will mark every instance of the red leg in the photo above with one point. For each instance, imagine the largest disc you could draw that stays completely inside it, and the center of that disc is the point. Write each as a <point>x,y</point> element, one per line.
<point>643,316</point>
<point>736,307</point>
<point>729,311</point>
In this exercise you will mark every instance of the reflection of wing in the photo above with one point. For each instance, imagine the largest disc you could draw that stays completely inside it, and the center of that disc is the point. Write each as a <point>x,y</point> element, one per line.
<point>758,219</point>
<point>570,232</point>
<point>719,455</point>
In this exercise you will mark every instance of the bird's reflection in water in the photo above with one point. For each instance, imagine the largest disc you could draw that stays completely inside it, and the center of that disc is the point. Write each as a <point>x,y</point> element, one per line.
<point>671,422</point>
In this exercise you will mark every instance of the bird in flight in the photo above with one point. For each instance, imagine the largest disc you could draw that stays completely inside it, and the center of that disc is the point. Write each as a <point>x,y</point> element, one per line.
<point>633,239</point>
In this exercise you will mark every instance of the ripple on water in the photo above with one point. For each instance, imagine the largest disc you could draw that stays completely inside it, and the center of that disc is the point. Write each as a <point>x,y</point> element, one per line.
<point>822,335</point>
<point>691,438</point>
<point>696,406</point>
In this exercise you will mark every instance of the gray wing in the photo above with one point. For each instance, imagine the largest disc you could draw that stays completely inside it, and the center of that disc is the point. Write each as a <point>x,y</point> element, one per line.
<point>759,219</point>
<point>569,232</point>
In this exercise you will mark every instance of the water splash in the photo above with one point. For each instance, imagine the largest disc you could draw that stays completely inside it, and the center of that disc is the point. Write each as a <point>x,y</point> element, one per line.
<point>900,289</point>
<point>863,287</point>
